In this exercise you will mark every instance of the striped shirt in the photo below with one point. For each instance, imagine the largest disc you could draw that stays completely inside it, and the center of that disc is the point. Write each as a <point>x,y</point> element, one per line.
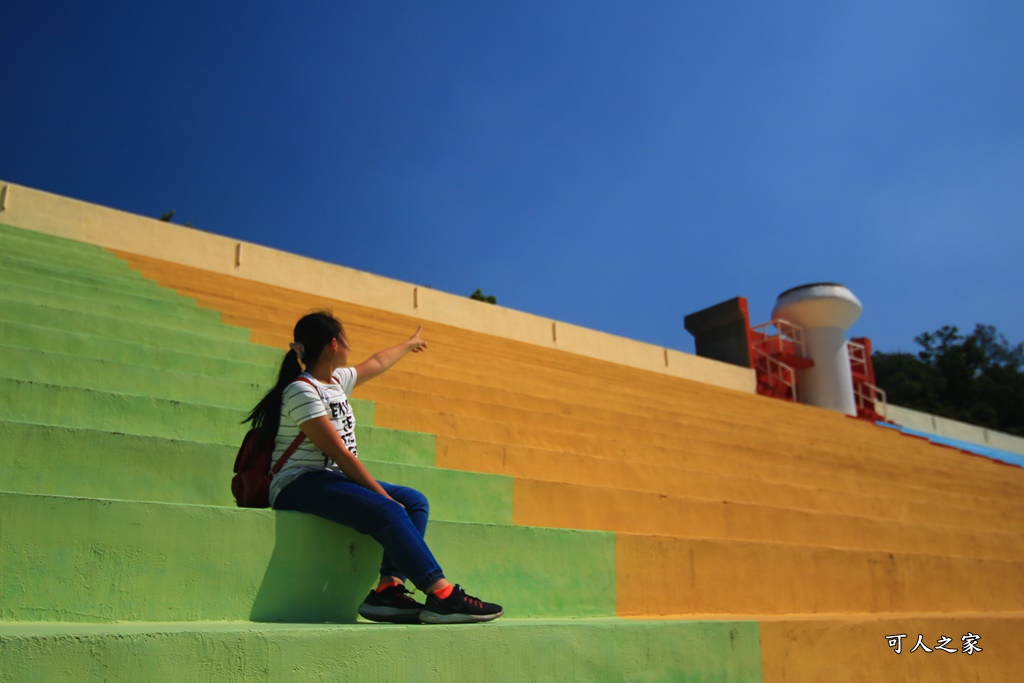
<point>302,402</point>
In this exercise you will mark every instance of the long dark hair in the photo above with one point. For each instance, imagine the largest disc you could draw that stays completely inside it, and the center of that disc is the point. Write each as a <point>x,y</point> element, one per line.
<point>313,332</point>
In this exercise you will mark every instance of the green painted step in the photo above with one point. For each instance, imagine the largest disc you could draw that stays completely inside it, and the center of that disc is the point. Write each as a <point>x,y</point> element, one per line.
<point>97,265</point>
<point>18,363</point>
<point>64,461</point>
<point>81,263</point>
<point>230,342</point>
<point>61,461</point>
<point>85,560</point>
<point>505,650</point>
<point>179,315</point>
<point>90,260</point>
<point>41,238</point>
<point>135,296</point>
<point>454,495</point>
<point>112,376</point>
<point>84,344</point>
<point>60,251</point>
<point>37,246</point>
<point>27,271</point>
<point>47,404</point>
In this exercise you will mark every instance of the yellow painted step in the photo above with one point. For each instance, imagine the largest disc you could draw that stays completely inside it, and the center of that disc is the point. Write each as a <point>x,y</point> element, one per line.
<point>855,648</point>
<point>448,425</point>
<point>480,402</point>
<point>664,575</point>
<point>554,504</point>
<point>718,473</point>
<point>246,293</point>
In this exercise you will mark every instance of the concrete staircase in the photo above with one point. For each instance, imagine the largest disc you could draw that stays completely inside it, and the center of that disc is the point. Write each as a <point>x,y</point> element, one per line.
<point>124,558</point>
<point>635,526</point>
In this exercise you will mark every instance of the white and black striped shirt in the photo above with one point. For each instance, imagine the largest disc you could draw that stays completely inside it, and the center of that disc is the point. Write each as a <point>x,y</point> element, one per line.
<point>302,402</point>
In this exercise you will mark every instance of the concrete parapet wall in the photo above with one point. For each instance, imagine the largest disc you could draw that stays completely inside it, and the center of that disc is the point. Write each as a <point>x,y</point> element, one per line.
<point>952,429</point>
<point>52,214</point>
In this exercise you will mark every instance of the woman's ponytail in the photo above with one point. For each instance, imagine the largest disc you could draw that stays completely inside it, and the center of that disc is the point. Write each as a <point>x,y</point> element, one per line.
<point>312,333</point>
<point>266,416</point>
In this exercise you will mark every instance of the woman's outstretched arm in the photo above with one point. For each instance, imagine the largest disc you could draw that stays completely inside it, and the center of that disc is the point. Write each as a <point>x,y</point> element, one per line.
<point>381,362</point>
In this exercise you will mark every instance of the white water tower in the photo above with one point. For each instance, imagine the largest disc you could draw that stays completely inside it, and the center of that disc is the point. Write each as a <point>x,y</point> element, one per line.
<point>825,311</point>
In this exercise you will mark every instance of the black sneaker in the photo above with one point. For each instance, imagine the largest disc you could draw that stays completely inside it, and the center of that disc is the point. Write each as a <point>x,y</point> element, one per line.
<point>458,608</point>
<point>392,605</point>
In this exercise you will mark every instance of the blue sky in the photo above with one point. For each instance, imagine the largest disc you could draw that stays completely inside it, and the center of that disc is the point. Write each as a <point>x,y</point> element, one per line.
<point>615,165</point>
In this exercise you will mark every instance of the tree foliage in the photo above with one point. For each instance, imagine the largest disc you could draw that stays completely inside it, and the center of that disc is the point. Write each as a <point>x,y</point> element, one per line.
<point>480,296</point>
<point>976,378</point>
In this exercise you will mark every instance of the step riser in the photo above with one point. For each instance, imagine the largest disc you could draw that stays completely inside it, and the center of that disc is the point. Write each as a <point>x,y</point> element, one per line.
<point>176,316</point>
<point>579,412</point>
<point>43,242</point>
<point>101,276</point>
<point>238,348</point>
<point>733,577</point>
<point>560,431</point>
<point>857,649</point>
<point>82,345</point>
<point>518,461</point>
<point>576,507</point>
<point>85,259</point>
<point>67,559</point>
<point>106,376</point>
<point>44,404</point>
<point>83,463</point>
<point>136,289</point>
<point>453,426</point>
<point>698,483</point>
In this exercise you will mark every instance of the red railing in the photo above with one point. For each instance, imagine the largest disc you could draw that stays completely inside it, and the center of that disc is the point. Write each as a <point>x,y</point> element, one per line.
<point>778,350</point>
<point>871,400</point>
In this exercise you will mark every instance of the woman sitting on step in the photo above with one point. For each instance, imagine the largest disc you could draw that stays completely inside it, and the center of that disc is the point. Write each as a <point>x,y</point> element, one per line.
<point>324,476</point>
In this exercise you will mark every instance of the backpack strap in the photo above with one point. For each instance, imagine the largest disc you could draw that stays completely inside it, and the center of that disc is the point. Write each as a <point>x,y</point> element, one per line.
<point>298,439</point>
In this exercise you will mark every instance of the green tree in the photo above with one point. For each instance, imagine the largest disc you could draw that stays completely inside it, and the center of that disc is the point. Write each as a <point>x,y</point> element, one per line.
<point>976,378</point>
<point>480,296</point>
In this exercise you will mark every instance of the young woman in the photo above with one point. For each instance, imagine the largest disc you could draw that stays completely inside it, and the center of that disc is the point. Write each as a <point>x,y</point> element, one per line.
<point>324,476</point>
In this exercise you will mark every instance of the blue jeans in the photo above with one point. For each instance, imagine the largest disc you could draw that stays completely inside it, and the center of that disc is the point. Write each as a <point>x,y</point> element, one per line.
<point>336,498</point>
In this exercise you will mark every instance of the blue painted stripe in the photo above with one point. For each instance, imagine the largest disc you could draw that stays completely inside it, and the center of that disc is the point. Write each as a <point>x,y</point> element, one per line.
<point>976,449</point>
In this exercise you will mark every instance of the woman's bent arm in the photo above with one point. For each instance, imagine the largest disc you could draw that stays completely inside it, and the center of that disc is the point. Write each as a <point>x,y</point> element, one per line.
<point>321,432</point>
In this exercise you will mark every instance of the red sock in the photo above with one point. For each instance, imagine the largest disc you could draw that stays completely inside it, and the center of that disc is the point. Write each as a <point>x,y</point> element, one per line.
<point>443,593</point>
<point>384,586</point>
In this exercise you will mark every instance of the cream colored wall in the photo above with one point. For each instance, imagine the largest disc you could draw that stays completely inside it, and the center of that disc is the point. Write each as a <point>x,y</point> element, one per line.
<point>31,209</point>
<point>951,429</point>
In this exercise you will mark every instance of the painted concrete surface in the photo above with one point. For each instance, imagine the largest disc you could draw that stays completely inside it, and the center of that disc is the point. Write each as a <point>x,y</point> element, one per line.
<point>715,576</point>
<point>953,429</point>
<point>994,454</point>
<point>857,648</point>
<point>655,513</point>
<point>505,650</point>
<point>52,214</point>
<point>133,467</point>
<point>829,444</point>
<point>138,553</point>
<point>87,560</point>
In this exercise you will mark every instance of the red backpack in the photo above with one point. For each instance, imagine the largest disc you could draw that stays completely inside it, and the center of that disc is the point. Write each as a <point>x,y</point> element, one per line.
<point>251,483</point>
